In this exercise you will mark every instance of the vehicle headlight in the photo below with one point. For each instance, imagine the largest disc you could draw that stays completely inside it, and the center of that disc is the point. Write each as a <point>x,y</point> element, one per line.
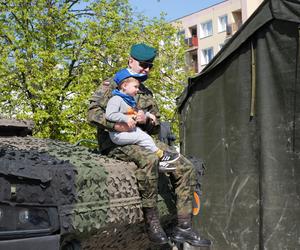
<point>24,216</point>
<point>1,214</point>
<point>19,220</point>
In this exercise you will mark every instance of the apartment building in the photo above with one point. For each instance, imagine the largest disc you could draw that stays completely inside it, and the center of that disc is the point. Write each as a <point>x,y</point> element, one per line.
<point>206,31</point>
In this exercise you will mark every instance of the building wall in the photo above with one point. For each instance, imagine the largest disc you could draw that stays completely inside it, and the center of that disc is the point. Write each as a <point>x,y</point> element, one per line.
<point>237,12</point>
<point>249,6</point>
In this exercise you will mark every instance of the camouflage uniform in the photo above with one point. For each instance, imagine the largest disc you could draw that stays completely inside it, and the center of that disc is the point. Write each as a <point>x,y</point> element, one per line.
<point>146,161</point>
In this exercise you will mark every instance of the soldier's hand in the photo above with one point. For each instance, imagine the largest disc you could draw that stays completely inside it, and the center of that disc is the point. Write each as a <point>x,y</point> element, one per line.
<point>121,127</point>
<point>131,123</point>
<point>141,117</point>
<point>153,119</point>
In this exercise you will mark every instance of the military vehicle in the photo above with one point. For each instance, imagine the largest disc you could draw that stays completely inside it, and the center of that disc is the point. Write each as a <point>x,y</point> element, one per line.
<point>54,195</point>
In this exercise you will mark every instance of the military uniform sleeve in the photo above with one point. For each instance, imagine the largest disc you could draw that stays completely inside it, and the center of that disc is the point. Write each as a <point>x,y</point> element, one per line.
<point>97,107</point>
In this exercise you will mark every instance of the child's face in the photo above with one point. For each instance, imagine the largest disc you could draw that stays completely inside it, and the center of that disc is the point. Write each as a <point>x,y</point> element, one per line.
<point>131,87</point>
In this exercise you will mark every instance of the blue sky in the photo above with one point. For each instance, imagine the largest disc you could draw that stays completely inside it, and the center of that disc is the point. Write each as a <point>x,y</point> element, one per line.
<point>174,8</point>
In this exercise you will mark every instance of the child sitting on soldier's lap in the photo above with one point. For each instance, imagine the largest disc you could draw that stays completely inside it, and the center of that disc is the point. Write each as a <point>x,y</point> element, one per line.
<point>122,107</point>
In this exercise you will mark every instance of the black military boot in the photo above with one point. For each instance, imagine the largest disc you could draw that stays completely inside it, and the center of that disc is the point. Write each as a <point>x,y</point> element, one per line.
<point>155,232</point>
<point>184,233</point>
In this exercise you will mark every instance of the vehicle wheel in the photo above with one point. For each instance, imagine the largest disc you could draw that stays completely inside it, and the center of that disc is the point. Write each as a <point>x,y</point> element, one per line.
<point>72,245</point>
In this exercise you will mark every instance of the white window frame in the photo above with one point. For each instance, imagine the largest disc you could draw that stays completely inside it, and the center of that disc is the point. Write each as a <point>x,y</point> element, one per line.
<point>204,32</point>
<point>221,25</point>
<point>205,56</point>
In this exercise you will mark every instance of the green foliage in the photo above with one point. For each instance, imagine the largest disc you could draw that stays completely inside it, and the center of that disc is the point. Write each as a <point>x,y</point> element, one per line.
<point>54,54</point>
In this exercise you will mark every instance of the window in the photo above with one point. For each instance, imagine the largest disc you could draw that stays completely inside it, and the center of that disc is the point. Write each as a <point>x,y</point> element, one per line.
<point>206,29</point>
<point>180,33</point>
<point>206,55</point>
<point>193,31</point>
<point>222,23</point>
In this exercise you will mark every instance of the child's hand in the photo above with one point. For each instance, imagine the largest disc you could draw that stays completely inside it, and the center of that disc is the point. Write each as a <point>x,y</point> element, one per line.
<point>141,117</point>
<point>131,122</point>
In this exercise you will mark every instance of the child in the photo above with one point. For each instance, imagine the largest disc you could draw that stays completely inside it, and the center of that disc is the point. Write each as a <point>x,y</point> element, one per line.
<point>122,107</point>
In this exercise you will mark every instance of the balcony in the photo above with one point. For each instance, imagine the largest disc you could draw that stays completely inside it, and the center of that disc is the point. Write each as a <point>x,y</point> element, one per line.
<point>192,41</point>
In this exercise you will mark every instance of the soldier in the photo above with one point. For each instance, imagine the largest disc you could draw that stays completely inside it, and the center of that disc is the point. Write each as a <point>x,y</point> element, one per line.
<point>141,61</point>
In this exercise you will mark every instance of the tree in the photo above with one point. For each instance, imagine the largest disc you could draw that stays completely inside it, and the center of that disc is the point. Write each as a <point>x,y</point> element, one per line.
<point>54,54</point>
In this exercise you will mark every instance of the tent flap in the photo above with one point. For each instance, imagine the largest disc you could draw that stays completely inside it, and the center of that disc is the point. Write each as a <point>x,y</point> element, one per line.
<point>251,190</point>
<point>288,10</point>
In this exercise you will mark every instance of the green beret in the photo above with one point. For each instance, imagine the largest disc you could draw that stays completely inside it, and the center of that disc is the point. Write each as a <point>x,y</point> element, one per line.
<point>142,52</point>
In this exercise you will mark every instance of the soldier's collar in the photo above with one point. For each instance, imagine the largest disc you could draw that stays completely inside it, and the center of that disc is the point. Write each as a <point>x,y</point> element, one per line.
<point>142,88</point>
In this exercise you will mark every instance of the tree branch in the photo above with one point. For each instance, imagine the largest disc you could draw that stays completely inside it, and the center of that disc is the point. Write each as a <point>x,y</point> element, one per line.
<point>7,39</point>
<point>73,2</point>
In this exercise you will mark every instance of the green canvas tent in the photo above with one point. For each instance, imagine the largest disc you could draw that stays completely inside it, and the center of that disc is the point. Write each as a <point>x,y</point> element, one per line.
<point>241,114</point>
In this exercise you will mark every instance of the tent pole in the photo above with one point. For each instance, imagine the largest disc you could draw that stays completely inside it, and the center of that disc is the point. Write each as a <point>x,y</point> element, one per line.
<point>295,91</point>
<point>253,83</point>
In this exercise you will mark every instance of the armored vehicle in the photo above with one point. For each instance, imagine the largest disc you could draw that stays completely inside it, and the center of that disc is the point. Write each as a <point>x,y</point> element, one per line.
<point>54,195</point>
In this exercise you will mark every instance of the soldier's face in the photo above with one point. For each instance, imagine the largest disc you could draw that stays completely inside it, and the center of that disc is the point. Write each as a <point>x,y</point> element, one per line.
<point>139,67</point>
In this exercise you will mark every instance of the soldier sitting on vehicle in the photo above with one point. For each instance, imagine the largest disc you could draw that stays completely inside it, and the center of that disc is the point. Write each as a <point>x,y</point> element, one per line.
<point>140,62</point>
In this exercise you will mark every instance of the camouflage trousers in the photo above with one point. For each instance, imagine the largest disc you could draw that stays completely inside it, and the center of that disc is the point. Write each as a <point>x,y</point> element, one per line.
<point>147,175</point>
